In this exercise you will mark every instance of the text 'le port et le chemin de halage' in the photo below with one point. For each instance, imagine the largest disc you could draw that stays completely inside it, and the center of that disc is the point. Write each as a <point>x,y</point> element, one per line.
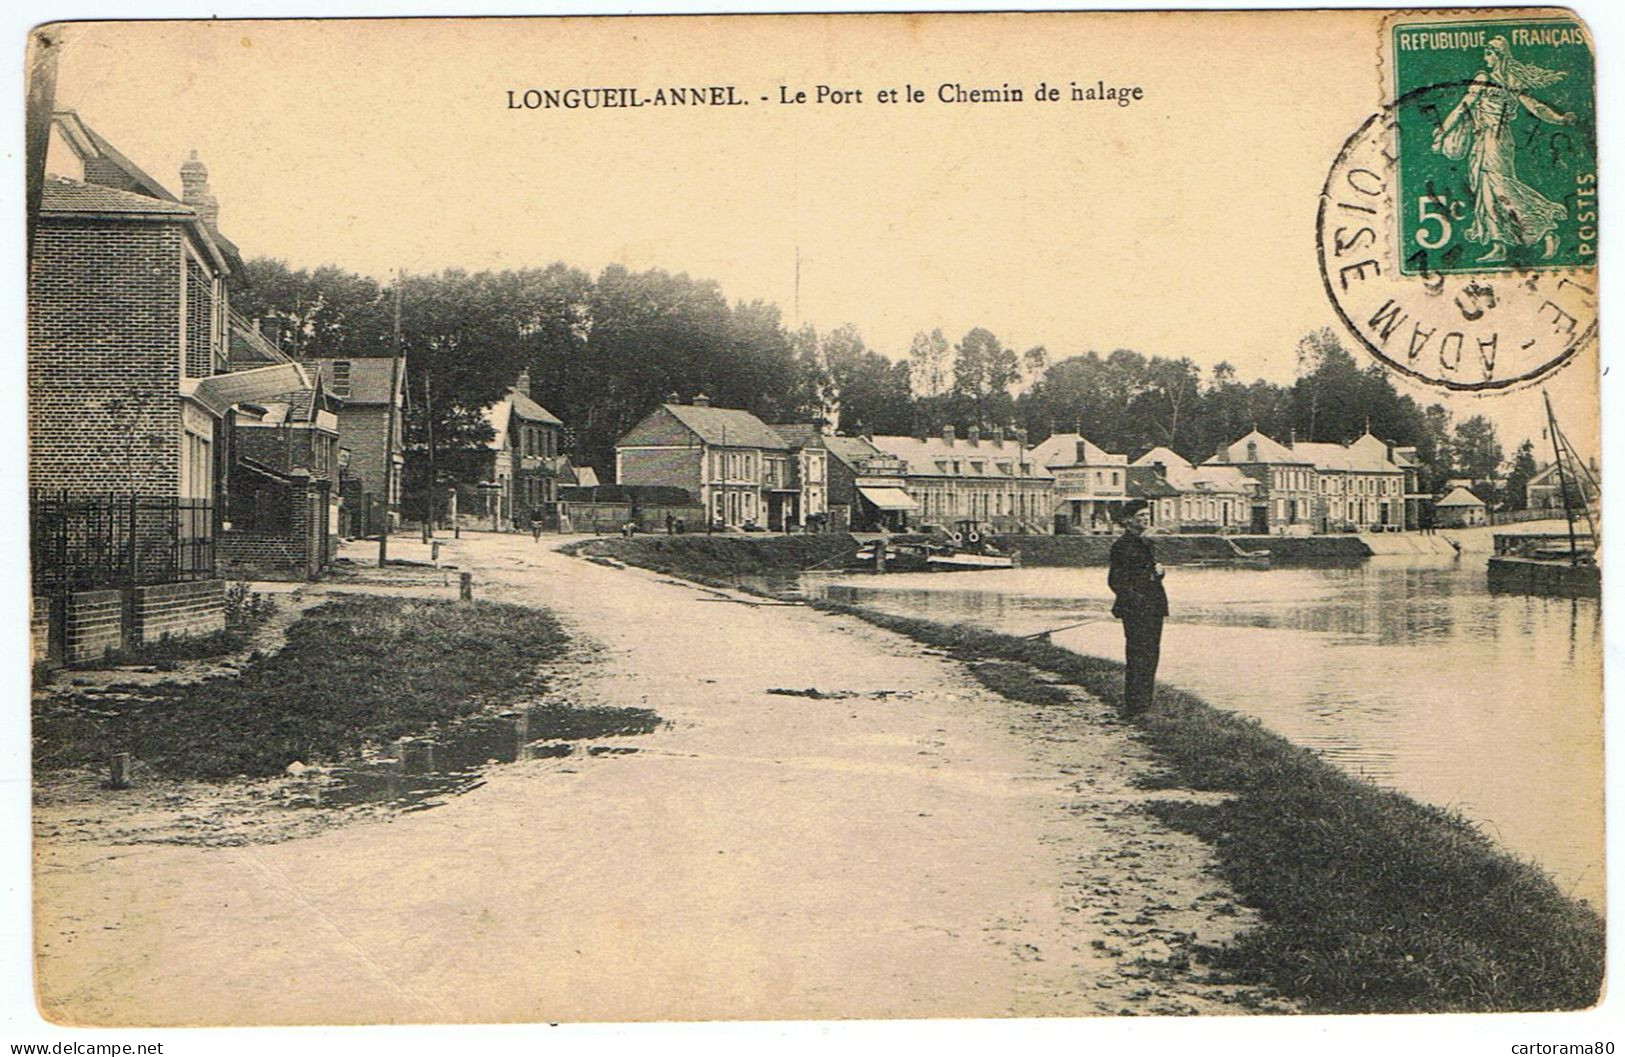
<point>724,95</point>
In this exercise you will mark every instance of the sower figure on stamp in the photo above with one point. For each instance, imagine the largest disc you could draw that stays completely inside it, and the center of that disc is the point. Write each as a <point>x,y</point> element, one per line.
<point>1136,580</point>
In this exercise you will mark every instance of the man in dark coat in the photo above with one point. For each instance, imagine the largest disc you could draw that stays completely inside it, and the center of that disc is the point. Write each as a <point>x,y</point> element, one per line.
<point>1136,580</point>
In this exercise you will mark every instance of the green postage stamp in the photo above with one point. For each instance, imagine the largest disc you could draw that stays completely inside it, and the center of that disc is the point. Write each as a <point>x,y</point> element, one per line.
<point>1497,146</point>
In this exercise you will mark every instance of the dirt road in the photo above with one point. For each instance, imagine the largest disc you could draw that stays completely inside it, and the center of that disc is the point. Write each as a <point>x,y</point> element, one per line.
<point>904,844</point>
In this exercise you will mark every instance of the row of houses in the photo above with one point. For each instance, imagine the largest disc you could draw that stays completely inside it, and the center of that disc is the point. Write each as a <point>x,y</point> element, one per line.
<point>744,472</point>
<point>172,442</point>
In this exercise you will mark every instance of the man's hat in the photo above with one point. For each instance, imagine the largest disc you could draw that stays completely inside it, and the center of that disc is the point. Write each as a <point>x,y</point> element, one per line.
<point>1132,507</point>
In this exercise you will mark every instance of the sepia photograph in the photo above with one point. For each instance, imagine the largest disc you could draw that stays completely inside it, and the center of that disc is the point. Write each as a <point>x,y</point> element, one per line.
<point>1055,516</point>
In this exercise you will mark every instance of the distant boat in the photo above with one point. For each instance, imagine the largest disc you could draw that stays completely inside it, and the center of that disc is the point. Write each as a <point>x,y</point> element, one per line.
<point>965,547</point>
<point>1546,563</point>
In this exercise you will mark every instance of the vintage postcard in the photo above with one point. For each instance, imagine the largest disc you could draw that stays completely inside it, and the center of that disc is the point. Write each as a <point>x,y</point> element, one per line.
<point>814,517</point>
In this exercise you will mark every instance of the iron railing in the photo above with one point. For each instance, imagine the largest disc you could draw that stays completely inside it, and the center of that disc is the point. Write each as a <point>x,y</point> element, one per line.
<point>80,542</point>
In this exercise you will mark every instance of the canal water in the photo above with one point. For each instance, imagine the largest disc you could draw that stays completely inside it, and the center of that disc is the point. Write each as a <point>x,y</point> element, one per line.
<point>1408,671</point>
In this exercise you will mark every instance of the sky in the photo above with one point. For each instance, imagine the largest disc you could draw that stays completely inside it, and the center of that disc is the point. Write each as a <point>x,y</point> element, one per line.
<point>1179,225</point>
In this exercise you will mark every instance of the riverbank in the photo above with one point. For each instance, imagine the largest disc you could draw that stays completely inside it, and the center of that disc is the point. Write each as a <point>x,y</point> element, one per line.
<point>724,559</point>
<point>1370,901</point>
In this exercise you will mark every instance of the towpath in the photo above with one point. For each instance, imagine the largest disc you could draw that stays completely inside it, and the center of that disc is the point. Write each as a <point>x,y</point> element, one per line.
<point>903,843</point>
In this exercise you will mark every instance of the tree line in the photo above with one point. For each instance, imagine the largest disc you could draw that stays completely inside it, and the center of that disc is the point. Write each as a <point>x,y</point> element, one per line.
<point>604,350</point>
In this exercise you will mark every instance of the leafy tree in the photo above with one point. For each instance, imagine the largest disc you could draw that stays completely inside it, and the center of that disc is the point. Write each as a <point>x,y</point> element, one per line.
<point>984,370</point>
<point>327,313</point>
<point>1524,467</point>
<point>867,392</point>
<point>1476,450</point>
<point>929,364</point>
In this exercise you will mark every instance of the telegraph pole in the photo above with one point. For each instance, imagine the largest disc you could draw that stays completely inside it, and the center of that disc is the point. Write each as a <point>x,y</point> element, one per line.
<point>428,421</point>
<point>389,429</point>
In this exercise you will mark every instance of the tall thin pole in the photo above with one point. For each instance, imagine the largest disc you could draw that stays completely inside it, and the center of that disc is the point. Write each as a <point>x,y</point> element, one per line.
<point>1562,478</point>
<point>428,421</point>
<point>44,46</point>
<point>389,429</point>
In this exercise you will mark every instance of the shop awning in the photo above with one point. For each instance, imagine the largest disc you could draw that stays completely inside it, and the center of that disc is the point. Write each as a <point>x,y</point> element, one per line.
<point>889,498</point>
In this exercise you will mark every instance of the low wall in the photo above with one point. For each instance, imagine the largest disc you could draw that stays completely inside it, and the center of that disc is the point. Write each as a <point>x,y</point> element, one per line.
<point>699,555</point>
<point>1173,550</point>
<point>95,625</point>
<point>609,517</point>
<point>175,610</point>
<point>246,554</point>
<point>39,629</point>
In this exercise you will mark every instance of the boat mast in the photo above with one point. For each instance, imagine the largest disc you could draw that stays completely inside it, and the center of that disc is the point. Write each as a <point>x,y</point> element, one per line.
<point>1580,467</point>
<point>1562,478</point>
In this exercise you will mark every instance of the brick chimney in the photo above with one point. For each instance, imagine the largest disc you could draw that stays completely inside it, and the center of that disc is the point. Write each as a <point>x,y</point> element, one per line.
<point>195,191</point>
<point>974,435</point>
<point>270,328</point>
<point>998,435</point>
<point>701,400</point>
<point>948,434</point>
<point>523,384</point>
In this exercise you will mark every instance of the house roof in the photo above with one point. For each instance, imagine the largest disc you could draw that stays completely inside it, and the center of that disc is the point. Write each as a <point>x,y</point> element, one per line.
<point>935,457</point>
<point>515,405</point>
<point>800,434</point>
<point>1143,482</point>
<point>1168,457</point>
<point>850,450</point>
<point>1353,458</point>
<point>586,476</point>
<point>1267,450</point>
<point>726,426</point>
<point>530,410</point>
<point>64,196</point>
<point>219,391</point>
<point>1460,497</point>
<point>369,378</point>
<point>1074,449</point>
<point>1212,478</point>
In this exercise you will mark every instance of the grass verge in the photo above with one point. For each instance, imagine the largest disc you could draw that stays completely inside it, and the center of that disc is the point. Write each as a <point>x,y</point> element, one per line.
<point>357,670</point>
<point>1370,901</point>
<point>719,559</point>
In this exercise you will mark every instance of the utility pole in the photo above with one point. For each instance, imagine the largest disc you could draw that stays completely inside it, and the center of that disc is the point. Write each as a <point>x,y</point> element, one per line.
<point>389,429</point>
<point>428,421</point>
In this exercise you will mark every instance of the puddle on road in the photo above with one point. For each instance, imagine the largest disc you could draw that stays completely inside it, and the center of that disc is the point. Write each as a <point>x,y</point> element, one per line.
<point>419,771</point>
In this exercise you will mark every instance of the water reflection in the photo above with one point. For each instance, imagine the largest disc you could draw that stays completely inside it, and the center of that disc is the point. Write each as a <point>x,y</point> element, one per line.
<point>1406,670</point>
<point>418,771</point>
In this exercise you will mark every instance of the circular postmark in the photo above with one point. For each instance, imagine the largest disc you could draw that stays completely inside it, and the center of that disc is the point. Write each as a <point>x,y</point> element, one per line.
<point>1440,261</point>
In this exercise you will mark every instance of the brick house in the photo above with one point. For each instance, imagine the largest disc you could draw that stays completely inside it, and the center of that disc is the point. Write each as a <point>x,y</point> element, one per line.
<point>128,392</point>
<point>1287,498</point>
<point>1360,486</point>
<point>798,480</point>
<point>1091,484</point>
<point>1210,498</point>
<point>718,455</point>
<point>283,508</point>
<point>1161,498</point>
<point>523,459</point>
<point>868,488</point>
<point>370,391</point>
<point>997,481</point>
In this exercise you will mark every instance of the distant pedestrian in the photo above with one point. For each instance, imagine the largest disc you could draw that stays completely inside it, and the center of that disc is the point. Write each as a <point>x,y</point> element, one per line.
<point>1136,579</point>
<point>671,524</point>
<point>536,526</point>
